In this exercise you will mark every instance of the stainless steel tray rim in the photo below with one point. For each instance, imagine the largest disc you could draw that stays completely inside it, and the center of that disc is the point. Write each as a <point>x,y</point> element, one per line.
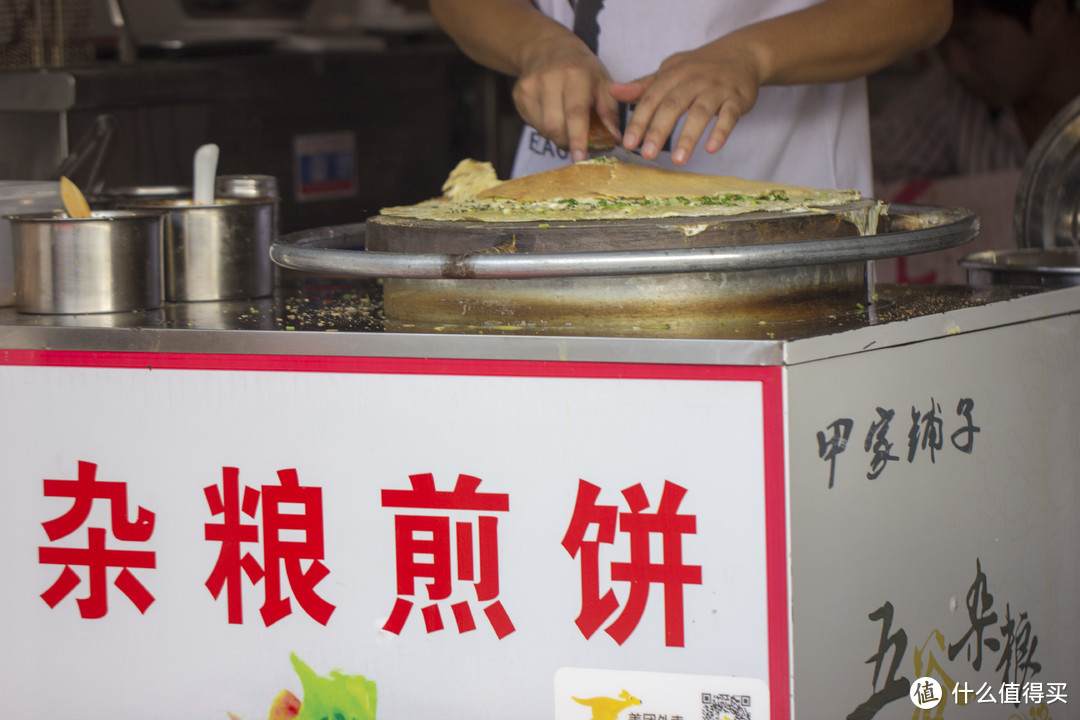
<point>333,250</point>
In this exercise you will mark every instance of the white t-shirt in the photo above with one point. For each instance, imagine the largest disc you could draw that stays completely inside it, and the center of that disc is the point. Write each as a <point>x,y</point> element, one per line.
<point>815,135</point>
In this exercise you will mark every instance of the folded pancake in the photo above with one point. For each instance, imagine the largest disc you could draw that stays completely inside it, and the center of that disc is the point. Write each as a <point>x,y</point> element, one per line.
<point>605,189</point>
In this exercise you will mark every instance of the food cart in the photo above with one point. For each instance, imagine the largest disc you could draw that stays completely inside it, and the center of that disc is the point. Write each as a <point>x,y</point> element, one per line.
<point>857,503</point>
<point>209,503</point>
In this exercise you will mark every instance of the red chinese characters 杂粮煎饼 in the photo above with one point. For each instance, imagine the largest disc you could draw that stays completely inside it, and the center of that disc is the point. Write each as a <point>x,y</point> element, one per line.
<point>428,535</point>
<point>640,572</point>
<point>227,501</point>
<point>96,557</point>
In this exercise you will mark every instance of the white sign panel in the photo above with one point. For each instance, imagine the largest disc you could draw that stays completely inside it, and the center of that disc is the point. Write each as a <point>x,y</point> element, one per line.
<point>191,535</point>
<point>934,535</point>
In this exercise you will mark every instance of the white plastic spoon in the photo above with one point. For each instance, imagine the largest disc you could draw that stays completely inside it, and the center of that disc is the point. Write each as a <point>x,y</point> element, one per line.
<point>206,160</point>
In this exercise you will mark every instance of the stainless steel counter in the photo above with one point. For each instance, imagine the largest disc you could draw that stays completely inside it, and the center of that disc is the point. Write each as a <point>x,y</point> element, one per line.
<point>327,316</point>
<point>899,451</point>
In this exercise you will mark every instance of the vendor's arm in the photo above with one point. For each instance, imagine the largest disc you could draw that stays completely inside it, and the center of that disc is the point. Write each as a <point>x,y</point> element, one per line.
<point>559,78</point>
<point>832,41</point>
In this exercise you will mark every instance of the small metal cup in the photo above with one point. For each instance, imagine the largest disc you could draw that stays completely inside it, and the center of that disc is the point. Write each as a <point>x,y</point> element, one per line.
<point>109,262</point>
<point>217,252</point>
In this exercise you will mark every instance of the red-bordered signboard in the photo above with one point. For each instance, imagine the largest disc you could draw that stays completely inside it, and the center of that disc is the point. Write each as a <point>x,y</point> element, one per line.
<point>452,528</point>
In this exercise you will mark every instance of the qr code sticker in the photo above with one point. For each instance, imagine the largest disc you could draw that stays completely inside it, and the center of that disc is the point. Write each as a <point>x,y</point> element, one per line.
<point>725,707</point>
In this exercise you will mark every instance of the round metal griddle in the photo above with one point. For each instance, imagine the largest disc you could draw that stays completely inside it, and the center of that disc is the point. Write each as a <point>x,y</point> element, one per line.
<point>722,244</point>
<point>1047,210</point>
<point>601,276</point>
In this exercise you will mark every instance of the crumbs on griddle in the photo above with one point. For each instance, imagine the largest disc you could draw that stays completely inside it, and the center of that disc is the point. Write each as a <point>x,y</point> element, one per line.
<point>345,312</point>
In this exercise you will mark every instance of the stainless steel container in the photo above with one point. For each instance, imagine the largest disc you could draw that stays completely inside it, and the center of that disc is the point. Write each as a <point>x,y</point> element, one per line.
<point>247,186</point>
<point>109,262</point>
<point>219,251</point>
<point>1030,267</point>
<point>20,197</point>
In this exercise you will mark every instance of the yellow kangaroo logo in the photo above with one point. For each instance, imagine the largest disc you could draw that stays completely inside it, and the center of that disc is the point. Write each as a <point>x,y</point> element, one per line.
<point>606,708</point>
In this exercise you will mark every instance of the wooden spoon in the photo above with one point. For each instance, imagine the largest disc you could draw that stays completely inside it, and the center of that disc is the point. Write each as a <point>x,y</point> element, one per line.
<point>73,199</point>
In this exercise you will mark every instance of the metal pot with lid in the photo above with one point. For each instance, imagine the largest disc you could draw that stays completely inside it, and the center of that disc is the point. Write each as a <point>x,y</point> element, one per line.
<point>1046,218</point>
<point>1047,210</point>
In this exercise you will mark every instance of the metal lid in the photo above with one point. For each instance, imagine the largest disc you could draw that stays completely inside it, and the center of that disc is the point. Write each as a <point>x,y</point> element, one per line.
<point>147,191</point>
<point>247,186</point>
<point>1047,209</point>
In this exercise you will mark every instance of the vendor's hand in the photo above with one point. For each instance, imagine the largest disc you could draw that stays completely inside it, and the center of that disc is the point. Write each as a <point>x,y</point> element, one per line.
<point>718,80</point>
<point>560,83</point>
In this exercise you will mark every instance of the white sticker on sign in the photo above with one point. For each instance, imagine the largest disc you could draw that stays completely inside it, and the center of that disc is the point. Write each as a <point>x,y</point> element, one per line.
<point>595,694</point>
